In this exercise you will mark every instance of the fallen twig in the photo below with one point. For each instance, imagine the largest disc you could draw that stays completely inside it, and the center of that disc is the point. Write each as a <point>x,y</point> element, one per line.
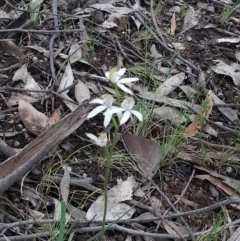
<point>54,36</point>
<point>15,167</point>
<point>6,149</point>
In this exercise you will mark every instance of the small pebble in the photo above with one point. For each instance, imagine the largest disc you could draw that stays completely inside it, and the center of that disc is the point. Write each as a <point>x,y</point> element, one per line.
<point>16,143</point>
<point>229,170</point>
<point>35,59</point>
<point>19,127</point>
<point>98,17</point>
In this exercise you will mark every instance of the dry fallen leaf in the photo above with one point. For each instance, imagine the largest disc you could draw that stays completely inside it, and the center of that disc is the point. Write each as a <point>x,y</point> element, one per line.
<point>115,209</point>
<point>82,92</point>
<point>67,79</point>
<point>145,152</point>
<point>54,118</point>
<point>170,84</point>
<point>206,108</point>
<point>218,182</point>
<point>229,70</point>
<point>233,183</point>
<point>192,129</point>
<point>173,24</point>
<point>33,120</point>
<point>174,228</point>
<point>65,184</point>
<point>227,111</point>
<point>29,82</point>
<point>191,19</point>
<point>75,53</point>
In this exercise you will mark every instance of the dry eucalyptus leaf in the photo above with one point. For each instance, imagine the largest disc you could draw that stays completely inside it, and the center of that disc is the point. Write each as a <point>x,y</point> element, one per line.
<point>121,192</point>
<point>75,53</point>
<point>11,48</point>
<point>191,19</point>
<point>235,184</point>
<point>57,211</point>
<point>21,74</point>
<point>82,92</point>
<point>218,182</point>
<point>36,215</point>
<point>54,118</point>
<point>30,84</point>
<point>232,70</point>
<point>186,201</point>
<point>188,91</point>
<point>111,9</point>
<point>76,213</point>
<point>83,33</point>
<point>145,152</point>
<point>67,79</point>
<point>237,55</point>
<point>173,24</point>
<point>169,113</point>
<point>69,102</point>
<point>65,184</point>
<point>228,112</point>
<point>32,119</point>
<point>174,228</point>
<point>16,97</point>
<point>170,84</point>
<point>154,52</point>
<point>172,102</point>
<point>192,129</point>
<point>207,110</point>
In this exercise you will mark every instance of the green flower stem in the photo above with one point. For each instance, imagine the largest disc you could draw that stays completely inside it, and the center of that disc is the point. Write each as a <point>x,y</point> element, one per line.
<point>108,155</point>
<point>116,126</point>
<point>117,92</point>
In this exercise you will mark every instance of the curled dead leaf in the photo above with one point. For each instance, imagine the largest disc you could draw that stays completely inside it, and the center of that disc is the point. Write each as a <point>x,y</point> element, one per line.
<point>54,118</point>
<point>192,129</point>
<point>34,120</point>
<point>206,108</point>
<point>173,25</point>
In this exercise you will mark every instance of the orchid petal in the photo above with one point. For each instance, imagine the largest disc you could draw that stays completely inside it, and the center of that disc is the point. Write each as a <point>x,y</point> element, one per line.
<point>107,119</point>
<point>96,101</point>
<point>107,74</point>
<point>121,71</point>
<point>127,80</point>
<point>124,88</point>
<point>119,115</point>
<point>117,75</point>
<point>125,117</point>
<point>96,111</point>
<point>92,137</point>
<point>113,109</point>
<point>137,114</point>
<point>102,139</point>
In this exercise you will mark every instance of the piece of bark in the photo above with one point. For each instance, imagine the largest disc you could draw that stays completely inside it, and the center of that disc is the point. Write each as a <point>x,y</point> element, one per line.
<point>235,236</point>
<point>16,166</point>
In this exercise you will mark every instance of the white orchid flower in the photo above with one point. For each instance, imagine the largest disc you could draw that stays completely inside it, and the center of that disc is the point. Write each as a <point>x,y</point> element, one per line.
<point>126,108</point>
<point>106,103</point>
<point>101,140</point>
<point>115,77</point>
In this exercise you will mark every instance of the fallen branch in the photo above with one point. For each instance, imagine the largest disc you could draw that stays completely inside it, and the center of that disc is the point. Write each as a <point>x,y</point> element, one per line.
<point>15,167</point>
